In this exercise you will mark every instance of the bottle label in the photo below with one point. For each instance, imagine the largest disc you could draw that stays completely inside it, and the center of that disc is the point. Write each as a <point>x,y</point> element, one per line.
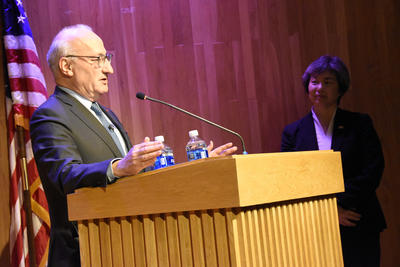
<point>203,154</point>
<point>161,162</point>
<point>200,153</point>
<point>170,160</point>
<point>164,160</point>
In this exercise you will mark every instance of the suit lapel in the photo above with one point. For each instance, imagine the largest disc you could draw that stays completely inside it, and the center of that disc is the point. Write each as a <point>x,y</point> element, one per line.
<point>308,134</point>
<point>86,117</point>
<point>339,128</point>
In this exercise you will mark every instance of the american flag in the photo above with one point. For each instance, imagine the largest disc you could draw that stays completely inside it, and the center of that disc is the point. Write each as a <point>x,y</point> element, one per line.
<point>26,90</point>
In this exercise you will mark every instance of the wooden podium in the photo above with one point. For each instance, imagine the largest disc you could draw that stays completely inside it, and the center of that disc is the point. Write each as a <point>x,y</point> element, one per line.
<point>276,209</point>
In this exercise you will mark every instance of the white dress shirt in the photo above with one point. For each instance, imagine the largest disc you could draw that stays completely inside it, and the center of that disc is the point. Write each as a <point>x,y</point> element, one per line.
<point>324,139</point>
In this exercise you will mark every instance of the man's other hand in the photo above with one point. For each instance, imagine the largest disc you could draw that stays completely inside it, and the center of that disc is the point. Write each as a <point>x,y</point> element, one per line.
<point>224,150</point>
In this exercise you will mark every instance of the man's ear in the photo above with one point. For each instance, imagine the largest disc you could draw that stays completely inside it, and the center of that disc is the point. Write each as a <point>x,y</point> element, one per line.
<point>65,67</point>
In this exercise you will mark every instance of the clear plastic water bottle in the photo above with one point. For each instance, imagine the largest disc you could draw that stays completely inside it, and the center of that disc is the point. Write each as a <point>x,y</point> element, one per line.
<point>167,156</point>
<point>196,148</point>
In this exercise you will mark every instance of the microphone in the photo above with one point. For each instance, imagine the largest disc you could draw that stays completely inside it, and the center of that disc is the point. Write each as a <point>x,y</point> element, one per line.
<point>142,96</point>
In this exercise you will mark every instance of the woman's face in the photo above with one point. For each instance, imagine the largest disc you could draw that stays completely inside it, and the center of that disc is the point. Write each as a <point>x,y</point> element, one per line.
<point>323,90</point>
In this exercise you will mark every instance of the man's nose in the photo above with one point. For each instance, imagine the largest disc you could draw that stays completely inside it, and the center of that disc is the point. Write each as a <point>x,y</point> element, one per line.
<point>107,67</point>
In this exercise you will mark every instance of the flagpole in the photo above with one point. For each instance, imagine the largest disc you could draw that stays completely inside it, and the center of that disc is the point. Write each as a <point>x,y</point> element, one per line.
<point>27,196</point>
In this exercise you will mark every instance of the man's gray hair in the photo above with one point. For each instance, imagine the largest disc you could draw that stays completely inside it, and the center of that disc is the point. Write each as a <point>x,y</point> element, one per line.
<point>60,46</point>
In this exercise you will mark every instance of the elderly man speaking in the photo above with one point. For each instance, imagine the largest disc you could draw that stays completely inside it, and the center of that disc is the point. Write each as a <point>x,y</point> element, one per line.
<point>76,141</point>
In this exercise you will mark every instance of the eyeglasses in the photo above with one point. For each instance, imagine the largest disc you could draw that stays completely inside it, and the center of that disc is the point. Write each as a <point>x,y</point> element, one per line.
<point>99,59</point>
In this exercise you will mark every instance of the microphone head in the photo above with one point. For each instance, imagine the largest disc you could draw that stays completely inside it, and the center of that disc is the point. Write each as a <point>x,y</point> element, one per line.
<point>141,95</point>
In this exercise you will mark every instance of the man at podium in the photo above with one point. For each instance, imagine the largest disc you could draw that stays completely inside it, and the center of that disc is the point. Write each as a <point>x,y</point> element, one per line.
<point>76,141</point>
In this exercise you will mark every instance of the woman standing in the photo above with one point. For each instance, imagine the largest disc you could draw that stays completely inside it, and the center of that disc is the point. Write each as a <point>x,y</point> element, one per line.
<point>327,127</point>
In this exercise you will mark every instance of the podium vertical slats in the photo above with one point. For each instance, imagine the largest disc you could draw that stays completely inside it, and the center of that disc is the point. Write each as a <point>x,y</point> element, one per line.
<point>173,240</point>
<point>127,242</point>
<point>276,236</point>
<point>302,233</point>
<point>138,240</point>
<point>244,240</point>
<point>105,243</point>
<point>94,240</point>
<point>221,239</point>
<point>209,238</point>
<point>327,224</point>
<point>334,227</point>
<point>197,239</point>
<point>298,235</point>
<point>309,234</point>
<point>263,238</point>
<point>320,249</point>
<point>150,241</point>
<point>270,237</point>
<point>252,240</point>
<point>323,236</point>
<point>161,239</point>
<point>84,245</point>
<point>231,227</point>
<point>292,240</point>
<point>281,235</point>
<point>185,239</point>
<point>116,242</point>
<point>286,221</point>
<point>260,244</point>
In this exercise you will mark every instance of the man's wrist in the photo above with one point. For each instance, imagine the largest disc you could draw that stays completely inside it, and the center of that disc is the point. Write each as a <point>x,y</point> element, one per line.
<point>112,170</point>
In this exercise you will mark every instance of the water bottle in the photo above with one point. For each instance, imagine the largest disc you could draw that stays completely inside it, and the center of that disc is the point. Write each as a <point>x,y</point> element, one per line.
<point>167,156</point>
<point>196,148</point>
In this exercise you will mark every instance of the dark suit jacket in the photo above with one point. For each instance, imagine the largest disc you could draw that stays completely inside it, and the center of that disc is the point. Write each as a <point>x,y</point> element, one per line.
<point>72,150</point>
<point>362,160</point>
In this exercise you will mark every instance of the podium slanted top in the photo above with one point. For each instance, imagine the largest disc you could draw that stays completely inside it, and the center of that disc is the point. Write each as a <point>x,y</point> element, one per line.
<point>214,183</point>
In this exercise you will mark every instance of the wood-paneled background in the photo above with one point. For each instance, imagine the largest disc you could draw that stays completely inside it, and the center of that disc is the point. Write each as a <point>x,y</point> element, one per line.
<point>238,63</point>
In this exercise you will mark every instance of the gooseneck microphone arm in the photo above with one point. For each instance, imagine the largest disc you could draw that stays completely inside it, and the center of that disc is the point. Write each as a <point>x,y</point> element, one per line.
<point>142,96</point>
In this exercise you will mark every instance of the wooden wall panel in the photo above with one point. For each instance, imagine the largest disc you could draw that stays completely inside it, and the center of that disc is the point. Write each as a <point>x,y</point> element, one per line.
<point>239,63</point>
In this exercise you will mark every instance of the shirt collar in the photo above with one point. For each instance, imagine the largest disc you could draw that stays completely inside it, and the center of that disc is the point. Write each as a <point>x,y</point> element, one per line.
<point>318,124</point>
<point>85,102</point>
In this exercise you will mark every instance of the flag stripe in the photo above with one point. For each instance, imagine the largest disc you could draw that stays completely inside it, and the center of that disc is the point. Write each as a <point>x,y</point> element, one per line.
<point>28,84</point>
<point>22,56</point>
<point>39,234</point>
<point>10,125</point>
<point>19,42</point>
<point>34,99</point>
<point>15,214</point>
<point>16,255</point>
<point>25,70</point>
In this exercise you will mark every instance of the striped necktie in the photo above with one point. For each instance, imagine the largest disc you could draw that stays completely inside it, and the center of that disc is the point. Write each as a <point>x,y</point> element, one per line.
<point>109,126</point>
